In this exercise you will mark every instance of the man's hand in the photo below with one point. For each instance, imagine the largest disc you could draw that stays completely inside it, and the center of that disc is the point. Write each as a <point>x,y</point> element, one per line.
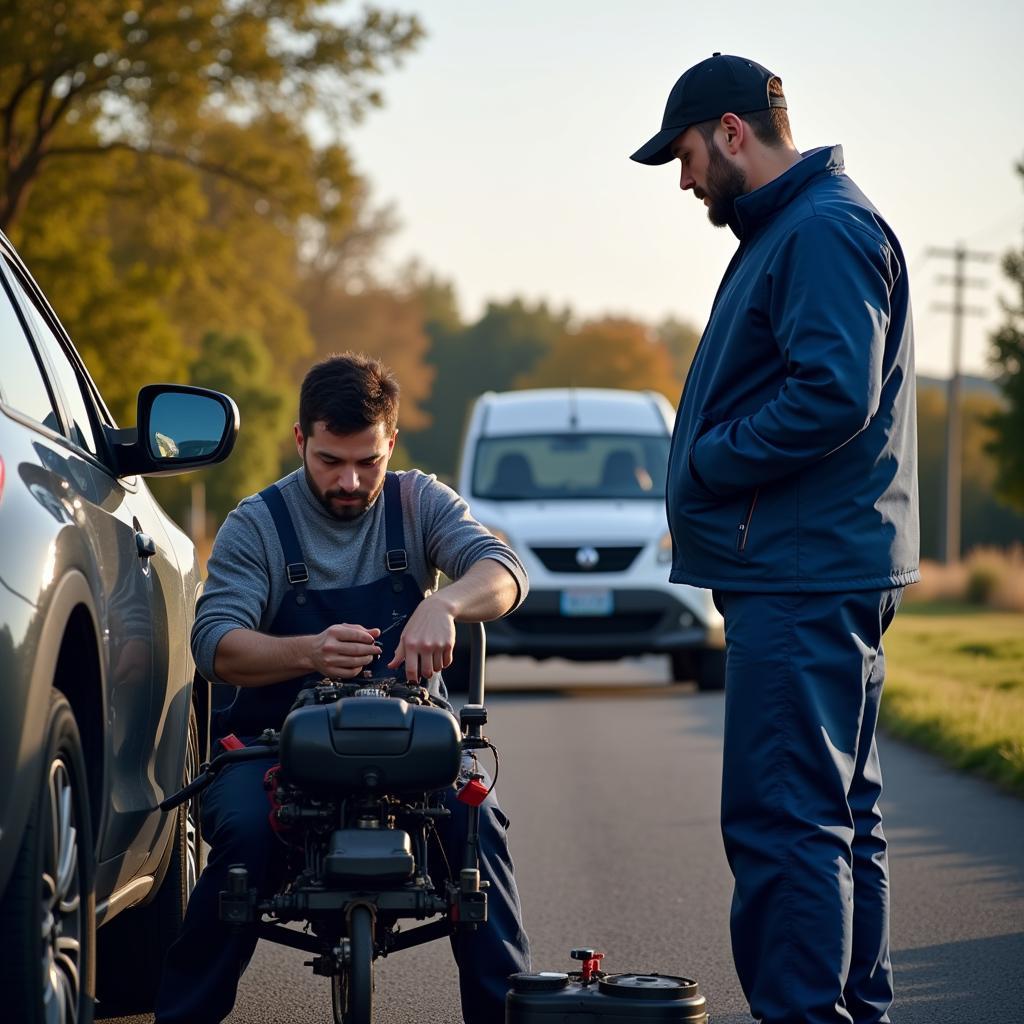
<point>428,639</point>
<point>343,651</point>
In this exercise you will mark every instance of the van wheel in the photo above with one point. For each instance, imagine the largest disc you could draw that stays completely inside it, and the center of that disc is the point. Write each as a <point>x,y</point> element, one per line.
<point>706,666</point>
<point>711,670</point>
<point>456,675</point>
<point>684,665</point>
<point>48,911</point>
<point>140,937</point>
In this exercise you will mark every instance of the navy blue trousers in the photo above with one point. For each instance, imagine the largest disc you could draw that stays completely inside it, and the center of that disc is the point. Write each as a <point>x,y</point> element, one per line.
<point>204,965</point>
<point>800,818</point>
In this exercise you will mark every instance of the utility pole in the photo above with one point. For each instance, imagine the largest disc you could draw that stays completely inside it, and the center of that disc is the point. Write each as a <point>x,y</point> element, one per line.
<point>954,430</point>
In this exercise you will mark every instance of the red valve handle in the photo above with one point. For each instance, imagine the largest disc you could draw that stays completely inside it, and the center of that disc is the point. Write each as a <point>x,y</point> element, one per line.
<point>591,966</point>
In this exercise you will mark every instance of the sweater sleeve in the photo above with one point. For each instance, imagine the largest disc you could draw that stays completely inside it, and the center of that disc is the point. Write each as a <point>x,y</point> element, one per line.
<point>237,588</point>
<point>829,312</point>
<point>455,540</point>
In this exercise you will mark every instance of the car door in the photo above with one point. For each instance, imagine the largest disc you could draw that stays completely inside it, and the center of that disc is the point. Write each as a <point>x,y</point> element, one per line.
<point>112,517</point>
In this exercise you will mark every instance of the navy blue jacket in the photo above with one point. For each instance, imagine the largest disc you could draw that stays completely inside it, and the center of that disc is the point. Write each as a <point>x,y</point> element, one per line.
<point>794,455</point>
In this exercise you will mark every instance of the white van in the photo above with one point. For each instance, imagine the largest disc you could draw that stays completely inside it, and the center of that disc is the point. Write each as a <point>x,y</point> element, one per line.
<point>574,480</point>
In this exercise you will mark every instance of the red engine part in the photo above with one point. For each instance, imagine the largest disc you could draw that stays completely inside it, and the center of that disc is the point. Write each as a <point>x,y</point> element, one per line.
<point>270,785</point>
<point>591,966</point>
<point>473,793</point>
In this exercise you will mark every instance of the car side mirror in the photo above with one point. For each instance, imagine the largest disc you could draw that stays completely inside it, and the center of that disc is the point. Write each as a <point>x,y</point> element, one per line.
<point>180,428</point>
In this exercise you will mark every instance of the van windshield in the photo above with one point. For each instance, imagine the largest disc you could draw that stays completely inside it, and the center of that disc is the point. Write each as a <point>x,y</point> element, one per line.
<point>571,466</point>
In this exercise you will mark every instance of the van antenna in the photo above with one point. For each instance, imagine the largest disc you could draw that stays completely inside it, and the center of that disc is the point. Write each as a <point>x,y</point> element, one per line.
<point>574,420</point>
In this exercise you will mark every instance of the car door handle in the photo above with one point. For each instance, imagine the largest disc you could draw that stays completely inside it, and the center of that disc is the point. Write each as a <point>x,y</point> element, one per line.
<point>145,545</point>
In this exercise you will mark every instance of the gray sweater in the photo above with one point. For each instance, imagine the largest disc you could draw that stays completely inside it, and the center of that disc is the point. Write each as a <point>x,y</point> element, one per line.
<point>247,582</point>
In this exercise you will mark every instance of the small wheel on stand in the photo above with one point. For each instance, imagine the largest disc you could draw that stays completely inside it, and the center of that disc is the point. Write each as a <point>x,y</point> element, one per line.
<point>339,996</point>
<point>352,990</point>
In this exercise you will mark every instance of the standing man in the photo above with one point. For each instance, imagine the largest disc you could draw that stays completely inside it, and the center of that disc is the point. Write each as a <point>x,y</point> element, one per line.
<point>328,572</point>
<point>792,494</point>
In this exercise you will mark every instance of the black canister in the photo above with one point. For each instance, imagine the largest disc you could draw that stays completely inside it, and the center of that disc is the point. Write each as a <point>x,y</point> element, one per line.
<point>555,998</point>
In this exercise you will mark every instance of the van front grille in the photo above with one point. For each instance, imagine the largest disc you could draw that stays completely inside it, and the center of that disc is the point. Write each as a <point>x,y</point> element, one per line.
<point>570,559</point>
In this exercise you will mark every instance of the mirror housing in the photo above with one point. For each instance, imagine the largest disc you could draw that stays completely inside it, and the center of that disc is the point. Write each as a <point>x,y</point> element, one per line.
<point>180,428</point>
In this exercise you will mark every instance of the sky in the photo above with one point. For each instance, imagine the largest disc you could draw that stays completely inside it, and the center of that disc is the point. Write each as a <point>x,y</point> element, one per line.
<point>504,142</point>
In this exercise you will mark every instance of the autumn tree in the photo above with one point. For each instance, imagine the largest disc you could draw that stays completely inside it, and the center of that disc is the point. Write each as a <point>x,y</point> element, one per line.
<point>143,75</point>
<point>381,323</point>
<point>680,338</point>
<point>985,520</point>
<point>485,355</point>
<point>612,352</point>
<point>1008,357</point>
<point>158,170</point>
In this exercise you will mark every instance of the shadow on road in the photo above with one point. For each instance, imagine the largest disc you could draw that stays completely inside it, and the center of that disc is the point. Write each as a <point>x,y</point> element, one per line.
<point>961,981</point>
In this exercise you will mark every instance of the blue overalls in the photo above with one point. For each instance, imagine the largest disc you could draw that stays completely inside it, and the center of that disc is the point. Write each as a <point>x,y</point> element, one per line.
<point>205,963</point>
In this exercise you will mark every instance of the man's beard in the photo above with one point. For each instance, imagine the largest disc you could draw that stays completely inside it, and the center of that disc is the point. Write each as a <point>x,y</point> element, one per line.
<point>726,183</point>
<point>344,513</point>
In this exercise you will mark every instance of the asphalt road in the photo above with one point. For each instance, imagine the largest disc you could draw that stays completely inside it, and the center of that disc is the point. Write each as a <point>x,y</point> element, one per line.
<point>612,785</point>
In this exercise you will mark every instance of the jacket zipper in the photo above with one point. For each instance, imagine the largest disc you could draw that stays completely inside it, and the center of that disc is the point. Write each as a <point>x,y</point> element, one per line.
<point>743,530</point>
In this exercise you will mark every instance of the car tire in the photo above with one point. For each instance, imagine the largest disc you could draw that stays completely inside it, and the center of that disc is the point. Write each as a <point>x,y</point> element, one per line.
<point>711,670</point>
<point>133,946</point>
<point>52,885</point>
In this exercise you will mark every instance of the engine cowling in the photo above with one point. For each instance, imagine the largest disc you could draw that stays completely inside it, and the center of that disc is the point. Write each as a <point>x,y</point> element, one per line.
<point>370,745</point>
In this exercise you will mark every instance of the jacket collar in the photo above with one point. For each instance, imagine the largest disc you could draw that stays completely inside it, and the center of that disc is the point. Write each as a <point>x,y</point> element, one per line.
<point>753,209</point>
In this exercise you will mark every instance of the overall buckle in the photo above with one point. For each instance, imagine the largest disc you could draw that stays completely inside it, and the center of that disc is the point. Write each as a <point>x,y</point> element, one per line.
<point>297,572</point>
<point>397,560</point>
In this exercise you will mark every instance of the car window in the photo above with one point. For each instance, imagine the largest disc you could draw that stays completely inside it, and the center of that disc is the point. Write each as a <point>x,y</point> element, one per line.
<point>81,431</point>
<point>571,466</point>
<point>21,380</point>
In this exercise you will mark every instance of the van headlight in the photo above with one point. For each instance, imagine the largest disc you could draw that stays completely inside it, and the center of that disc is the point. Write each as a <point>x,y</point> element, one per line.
<point>664,555</point>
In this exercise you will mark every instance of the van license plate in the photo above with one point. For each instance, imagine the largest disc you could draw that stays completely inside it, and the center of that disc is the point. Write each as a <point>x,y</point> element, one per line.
<point>587,602</point>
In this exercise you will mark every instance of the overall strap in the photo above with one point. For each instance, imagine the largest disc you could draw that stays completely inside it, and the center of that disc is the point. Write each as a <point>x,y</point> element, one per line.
<point>295,567</point>
<point>396,558</point>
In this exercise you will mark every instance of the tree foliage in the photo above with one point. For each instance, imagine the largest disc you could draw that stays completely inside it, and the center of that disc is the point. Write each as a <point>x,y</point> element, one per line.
<point>612,352</point>
<point>1007,444</point>
<point>985,521</point>
<point>241,366</point>
<point>487,355</point>
<point>382,323</point>
<point>159,174</point>
<point>681,340</point>
<point>146,75</point>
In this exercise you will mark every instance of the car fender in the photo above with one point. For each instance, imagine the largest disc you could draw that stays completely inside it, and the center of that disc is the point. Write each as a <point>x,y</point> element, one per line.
<point>27,702</point>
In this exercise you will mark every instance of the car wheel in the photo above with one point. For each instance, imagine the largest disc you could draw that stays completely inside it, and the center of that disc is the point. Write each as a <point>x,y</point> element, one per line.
<point>140,937</point>
<point>711,670</point>
<point>47,914</point>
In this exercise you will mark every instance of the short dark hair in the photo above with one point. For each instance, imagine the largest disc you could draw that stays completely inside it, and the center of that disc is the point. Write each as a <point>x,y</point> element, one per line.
<point>771,126</point>
<point>348,393</point>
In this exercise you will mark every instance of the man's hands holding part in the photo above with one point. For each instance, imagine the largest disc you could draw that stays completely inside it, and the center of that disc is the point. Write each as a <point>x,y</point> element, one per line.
<point>343,651</point>
<point>428,639</point>
<point>426,644</point>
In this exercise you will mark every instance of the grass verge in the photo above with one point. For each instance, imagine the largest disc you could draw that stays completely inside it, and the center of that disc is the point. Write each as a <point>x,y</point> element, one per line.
<point>955,686</point>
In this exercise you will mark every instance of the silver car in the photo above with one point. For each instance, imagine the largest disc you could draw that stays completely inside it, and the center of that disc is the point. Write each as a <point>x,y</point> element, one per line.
<point>100,714</point>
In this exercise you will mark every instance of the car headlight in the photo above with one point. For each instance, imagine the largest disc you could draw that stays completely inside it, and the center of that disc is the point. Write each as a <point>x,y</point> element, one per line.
<point>664,554</point>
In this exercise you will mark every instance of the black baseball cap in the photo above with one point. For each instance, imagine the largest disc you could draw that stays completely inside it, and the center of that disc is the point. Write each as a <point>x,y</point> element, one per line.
<point>716,86</point>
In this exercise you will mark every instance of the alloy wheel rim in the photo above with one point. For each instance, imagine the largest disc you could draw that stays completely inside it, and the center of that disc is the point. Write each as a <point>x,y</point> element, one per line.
<point>61,906</point>
<point>192,851</point>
